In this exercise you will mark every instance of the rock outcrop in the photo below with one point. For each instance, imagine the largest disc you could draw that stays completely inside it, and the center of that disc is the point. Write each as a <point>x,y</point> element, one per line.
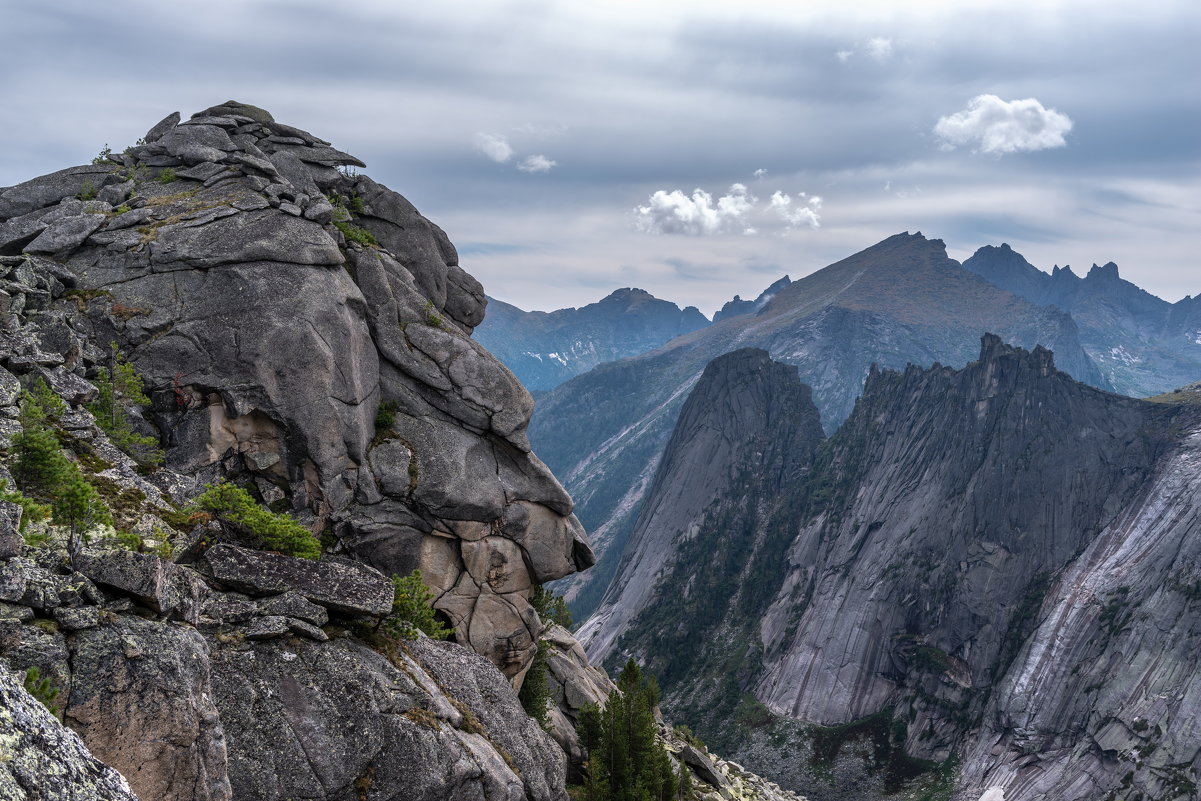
<point>1142,344</point>
<point>305,330</point>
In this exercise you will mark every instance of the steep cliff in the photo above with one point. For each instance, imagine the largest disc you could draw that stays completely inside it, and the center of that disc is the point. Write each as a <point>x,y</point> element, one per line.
<point>544,349</point>
<point>900,301</point>
<point>991,563</point>
<point>747,413</point>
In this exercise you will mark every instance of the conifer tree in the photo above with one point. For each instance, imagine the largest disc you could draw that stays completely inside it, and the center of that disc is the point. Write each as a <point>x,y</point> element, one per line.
<point>625,761</point>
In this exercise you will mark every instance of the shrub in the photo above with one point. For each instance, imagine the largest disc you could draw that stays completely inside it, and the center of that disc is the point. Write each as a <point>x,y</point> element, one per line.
<point>233,506</point>
<point>31,510</point>
<point>102,156</point>
<point>41,690</point>
<point>167,176</point>
<point>535,691</point>
<point>551,608</point>
<point>385,416</point>
<point>118,389</point>
<point>45,473</point>
<point>354,233</point>
<point>411,610</point>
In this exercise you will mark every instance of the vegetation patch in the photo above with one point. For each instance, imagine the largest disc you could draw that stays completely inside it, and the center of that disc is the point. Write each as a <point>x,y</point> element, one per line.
<point>235,507</point>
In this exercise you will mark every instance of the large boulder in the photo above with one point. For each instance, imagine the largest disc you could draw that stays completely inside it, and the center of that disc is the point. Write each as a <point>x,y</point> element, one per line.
<point>42,759</point>
<point>338,584</point>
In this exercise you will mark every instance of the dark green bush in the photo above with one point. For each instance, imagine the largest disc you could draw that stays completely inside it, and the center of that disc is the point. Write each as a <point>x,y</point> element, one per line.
<point>411,610</point>
<point>233,506</point>
<point>117,390</point>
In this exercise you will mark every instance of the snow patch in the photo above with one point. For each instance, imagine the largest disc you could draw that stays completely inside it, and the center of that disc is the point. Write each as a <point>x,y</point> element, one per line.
<point>1124,356</point>
<point>993,794</point>
<point>1197,337</point>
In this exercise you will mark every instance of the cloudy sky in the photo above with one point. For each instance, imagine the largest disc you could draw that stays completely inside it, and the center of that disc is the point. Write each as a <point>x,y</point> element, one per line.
<point>695,149</point>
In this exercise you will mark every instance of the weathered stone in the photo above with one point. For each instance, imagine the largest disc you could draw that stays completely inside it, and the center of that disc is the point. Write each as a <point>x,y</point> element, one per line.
<point>252,236</point>
<point>18,612</point>
<point>228,607</point>
<point>115,194</point>
<point>497,562</point>
<point>50,189</point>
<point>266,628</point>
<point>339,585</point>
<point>77,618</point>
<point>164,586</point>
<point>14,577</point>
<point>11,541</point>
<point>68,386</point>
<point>306,629</point>
<point>161,128</point>
<point>292,604</point>
<point>151,679</point>
<point>201,172</point>
<point>45,760</point>
<point>65,235</point>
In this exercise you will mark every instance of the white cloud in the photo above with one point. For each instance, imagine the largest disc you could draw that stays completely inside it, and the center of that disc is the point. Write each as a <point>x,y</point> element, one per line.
<point>494,146</point>
<point>537,163</point>
<point>998,127</point>
<point>844,55</point>
<point>759,173</point>
<point>676,213</point>
<point>805,213</point>
<point>879,48</point>
<point>736,211</point>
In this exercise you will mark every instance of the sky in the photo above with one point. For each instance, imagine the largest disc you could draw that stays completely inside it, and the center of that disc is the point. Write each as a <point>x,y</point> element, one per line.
<point>694,149</point>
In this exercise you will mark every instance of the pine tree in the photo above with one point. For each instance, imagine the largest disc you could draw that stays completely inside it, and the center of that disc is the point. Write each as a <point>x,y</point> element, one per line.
<point>625,761</point>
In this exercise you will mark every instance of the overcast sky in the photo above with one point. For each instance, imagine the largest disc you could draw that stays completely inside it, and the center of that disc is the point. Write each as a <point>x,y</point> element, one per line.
<point>695,149</point>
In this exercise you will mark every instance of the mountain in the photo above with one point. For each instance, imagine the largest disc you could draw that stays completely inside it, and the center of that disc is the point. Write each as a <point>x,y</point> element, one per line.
<point>900,301</point>
<point>996,564</point>
<point>544,349</point>
<point>744,410</point>
<point>1141,344</point>
<point>738,306</point>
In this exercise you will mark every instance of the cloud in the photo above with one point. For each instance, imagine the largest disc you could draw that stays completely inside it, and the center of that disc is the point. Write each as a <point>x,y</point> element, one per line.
<point>536,163</point>
<point>998,127</point>
<point>759,173</point>
<point>676,213</point>
<point>804,214</point>
<point>879,48</point>
<point>734,212</point>
<point>844,55</point>
<point>494,146</point>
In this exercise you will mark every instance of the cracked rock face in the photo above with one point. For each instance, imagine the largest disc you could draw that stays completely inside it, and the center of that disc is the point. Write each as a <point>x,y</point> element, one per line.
<point>40,758</point>
<point>276,304</point>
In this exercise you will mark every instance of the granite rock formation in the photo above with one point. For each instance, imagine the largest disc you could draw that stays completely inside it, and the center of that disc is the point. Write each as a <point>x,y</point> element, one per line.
<point>276,304</point>
<point>544,349</point>
<point>738,306</point>
<point>42,759</point>
<point>994,563</point>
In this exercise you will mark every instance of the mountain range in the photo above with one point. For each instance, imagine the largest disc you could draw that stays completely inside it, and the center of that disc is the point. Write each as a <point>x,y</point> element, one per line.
<point>902,301</point>
<point>986,577</point>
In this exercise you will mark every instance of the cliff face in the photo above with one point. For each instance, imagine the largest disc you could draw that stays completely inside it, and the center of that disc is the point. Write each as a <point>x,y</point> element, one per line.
<point>544,349</point>
<point>305,333</point>
<point>900,301</point>
<point>996,559</point>
<point>746,413</point>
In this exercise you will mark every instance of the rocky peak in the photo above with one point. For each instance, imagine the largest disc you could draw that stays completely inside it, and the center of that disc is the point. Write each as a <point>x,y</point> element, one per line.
<point>745,412</point>
<point>738,306</point>
<point>275,302</point>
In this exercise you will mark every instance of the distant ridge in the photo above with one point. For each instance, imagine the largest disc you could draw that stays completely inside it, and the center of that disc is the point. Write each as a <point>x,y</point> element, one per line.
<point>544,349</point>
